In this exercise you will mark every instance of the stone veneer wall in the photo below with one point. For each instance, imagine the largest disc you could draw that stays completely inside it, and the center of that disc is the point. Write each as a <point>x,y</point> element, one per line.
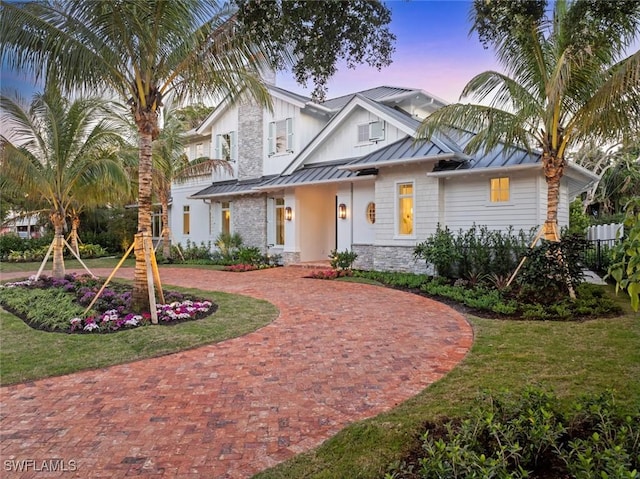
<point>290,257</point>
<point>388,258</point>
<point>250,133</point>
<point>250,220</point>
<point>365,257</point>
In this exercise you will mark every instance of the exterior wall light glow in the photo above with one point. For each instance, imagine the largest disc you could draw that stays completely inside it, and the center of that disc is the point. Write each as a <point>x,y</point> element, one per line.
<point>342,211</point>
<point>288,213</point>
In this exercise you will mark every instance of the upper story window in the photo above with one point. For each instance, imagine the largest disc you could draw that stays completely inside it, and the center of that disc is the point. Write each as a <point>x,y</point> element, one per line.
<point>281,137</point>
<point>199,150</point>
<point>499,190</point>
<point>227,146</point>
<point>405,209</point>
<point>372,131</point>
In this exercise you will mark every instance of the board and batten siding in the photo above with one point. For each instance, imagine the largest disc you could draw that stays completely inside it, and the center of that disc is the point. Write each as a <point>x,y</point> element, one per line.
<point>343,142</point>
<point>199,212</point>
<point>467,201</point>
<point>275,164</point>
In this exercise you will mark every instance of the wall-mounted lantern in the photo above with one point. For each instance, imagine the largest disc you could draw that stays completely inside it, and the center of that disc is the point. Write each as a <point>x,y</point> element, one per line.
<point>342,211</point>
<point>288,213</point>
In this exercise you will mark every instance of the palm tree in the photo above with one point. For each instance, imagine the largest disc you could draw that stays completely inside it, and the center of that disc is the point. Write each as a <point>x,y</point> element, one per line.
<point>142,50</point>
<point>564,85</point>
<point>62,152</point>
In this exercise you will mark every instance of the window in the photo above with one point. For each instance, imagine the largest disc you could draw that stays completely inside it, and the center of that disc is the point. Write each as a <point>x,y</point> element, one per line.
<point>281,137</point>
<point>156,223</point>
<point>371,213</point>
<point>226,217</point>
<point>199,150</point>
<point>372,131</point>
<point>279,204</point>
<point>226,146</point>
<point>405,208</point>
<point>186,219</point>
<point>499,190</point>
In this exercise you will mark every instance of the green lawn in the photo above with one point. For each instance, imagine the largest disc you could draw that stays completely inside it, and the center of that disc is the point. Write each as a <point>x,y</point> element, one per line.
<point>27,354</point>
<point>570,359</point>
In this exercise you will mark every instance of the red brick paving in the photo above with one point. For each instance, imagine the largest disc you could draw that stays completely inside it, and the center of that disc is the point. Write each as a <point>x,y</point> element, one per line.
<point>338,352</point>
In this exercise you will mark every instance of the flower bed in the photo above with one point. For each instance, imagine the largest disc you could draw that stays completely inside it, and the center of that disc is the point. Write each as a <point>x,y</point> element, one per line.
<point>31,300</point>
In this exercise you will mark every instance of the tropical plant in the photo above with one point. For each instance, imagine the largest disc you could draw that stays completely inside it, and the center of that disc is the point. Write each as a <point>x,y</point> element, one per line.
<point>565,83</point>
<point>64,153</point>
<point>625,269</point>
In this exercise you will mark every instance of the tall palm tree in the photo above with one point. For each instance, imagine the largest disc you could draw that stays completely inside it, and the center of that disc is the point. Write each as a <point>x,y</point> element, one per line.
<point>564,84</point>
<point>62,153</point>
<point>142,50</point>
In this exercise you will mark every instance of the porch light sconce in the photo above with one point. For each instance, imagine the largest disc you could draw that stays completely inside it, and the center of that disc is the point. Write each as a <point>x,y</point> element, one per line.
<point>342,211</point>
<point>288,213</point>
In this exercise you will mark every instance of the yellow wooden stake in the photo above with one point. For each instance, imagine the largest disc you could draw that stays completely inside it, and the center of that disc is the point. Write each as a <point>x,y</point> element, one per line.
<point>113,273</point>
<point>147,260</point>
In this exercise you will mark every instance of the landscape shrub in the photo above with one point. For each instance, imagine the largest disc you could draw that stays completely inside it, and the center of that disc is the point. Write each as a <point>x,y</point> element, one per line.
<point>625,267</point>
<point>484,298</point>
<point>192,251</point>
<point>474,253</point>
<point>529,434</point>
<point>550,268</point>
<point>342,259</point>
<point>228,245</point>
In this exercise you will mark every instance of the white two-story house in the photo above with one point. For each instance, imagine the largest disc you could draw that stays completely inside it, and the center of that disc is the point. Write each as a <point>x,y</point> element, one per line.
<point>306,178</point>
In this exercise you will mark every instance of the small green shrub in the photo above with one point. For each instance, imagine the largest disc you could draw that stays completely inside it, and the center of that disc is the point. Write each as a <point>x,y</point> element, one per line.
<point>529,435</point>
<point>550,268</point>
<point>192,252</point>
<point>249,255</point>
<point>342,260</point>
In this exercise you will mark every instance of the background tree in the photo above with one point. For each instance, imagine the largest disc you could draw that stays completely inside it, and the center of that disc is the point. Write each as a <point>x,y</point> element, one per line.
<point>321,34</point>
<point>565,82</point>
<point>62,154</point>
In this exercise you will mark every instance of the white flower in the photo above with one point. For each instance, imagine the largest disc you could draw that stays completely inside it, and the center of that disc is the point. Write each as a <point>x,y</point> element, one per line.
<point>91,327</point>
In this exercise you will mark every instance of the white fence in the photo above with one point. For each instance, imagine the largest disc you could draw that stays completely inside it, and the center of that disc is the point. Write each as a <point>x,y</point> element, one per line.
<point>608,232</point>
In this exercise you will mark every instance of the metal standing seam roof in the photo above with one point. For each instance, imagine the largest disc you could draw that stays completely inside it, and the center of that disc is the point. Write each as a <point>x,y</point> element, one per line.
<point>375,94</point>
<point>231,187</point>
<point>407,149</point>
<point>312,174</point>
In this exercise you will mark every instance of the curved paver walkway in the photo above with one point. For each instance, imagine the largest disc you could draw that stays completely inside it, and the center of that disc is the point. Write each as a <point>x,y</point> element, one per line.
<point>338,352</point>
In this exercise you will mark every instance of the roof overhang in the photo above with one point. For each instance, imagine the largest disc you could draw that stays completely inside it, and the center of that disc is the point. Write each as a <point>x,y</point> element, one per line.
<point>282,186</point>
<point>477,171</point>
<point>404,161</point>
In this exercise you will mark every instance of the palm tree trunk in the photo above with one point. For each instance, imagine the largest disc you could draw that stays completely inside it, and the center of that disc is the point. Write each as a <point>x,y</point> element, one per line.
<point>75,225</point>
<point>553,171</point>
<point>140,295</point>
<point>58,270</point>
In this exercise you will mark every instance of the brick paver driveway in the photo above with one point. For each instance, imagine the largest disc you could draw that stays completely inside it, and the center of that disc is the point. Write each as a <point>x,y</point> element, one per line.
<point>337,353</point>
